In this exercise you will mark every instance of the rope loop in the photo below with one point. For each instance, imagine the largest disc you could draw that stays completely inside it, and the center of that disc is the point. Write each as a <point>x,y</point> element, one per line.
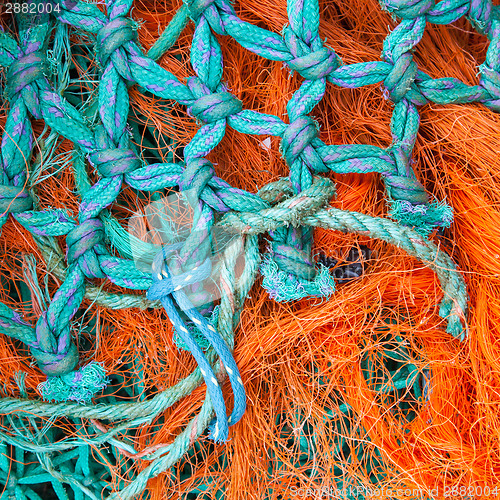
<point>481,15</point>
<point>298,148</point>
<point>81,246</point>
<point>401,186</point>
<point>315,65</point>
<point>195,180</point>
<point>55,355</point>
<point>211,107</point>
<point>298,137</point>
<point>401,77</point>
<point>312,62</point>
<point>490,80</point>
<point>165,282</point>
<point>112,161</point>
<point>25,71</point>
<point>196,8</point>
<point>14,199</point>
<point>408,9</point>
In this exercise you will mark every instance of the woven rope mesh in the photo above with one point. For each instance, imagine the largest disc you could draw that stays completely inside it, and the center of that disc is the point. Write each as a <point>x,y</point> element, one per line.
<point>321,321</point>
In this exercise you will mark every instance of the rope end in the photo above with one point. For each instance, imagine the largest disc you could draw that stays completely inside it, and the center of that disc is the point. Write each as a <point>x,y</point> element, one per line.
<point>283,287</point>
<point>80,385</point>
<point>423,218</point>
<point>218,434</point>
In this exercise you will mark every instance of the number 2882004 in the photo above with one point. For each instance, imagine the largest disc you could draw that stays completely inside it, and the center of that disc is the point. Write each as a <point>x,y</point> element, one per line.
<point>30,7</point>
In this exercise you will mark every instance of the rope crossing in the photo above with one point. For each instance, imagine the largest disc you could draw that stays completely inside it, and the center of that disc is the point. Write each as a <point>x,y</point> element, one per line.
<point>286,211</point>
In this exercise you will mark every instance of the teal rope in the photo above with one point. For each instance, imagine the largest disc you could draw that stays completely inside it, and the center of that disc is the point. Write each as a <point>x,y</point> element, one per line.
<point>454,303</point>
<point>170,34</point>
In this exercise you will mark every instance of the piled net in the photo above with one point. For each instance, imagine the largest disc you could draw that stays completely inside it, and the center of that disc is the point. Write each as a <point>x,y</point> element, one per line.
<point>61,129</point>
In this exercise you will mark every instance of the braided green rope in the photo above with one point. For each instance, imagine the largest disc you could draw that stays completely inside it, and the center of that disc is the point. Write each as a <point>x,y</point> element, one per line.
<point>454,303</point>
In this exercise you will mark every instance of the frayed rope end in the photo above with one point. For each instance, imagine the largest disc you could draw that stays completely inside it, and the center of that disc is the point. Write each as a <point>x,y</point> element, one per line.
<point>423,218</point>
<point>284,287</point>
<point>80,385</point>
<point>218,434</point>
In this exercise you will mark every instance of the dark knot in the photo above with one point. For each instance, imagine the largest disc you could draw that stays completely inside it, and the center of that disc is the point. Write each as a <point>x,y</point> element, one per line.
<point>112,161</point>
<point>354,266</point>
<point>111,37</point>
<point>81,247</point>
<point>54,355</point>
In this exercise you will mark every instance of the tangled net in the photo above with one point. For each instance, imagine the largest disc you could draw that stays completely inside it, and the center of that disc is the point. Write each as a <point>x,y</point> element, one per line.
<point>363,389</point>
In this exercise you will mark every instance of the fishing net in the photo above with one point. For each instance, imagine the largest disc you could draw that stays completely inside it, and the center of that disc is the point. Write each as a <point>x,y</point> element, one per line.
<point>249,250</point>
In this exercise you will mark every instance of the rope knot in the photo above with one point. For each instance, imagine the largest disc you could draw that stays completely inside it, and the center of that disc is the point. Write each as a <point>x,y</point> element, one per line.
<point>403,188</point>
<point>25,71</point>
<point>401,77</point>
<point>410,203</point>
<point>112,161</point>
<point>81,247</point>
<point>196,8</point>
<point>315,65</point>
<point>298,137</point>
<point>198,181</point>
<point>481,15</point>
<point>310,59</point>
<point>196,176</point>
<point>114,35</point>
<point>211,107</point>
<point>165,282</point>
<point>293,260</point>
<point>408,9</point>
<point>490,80</point>
<point>54,355</point>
